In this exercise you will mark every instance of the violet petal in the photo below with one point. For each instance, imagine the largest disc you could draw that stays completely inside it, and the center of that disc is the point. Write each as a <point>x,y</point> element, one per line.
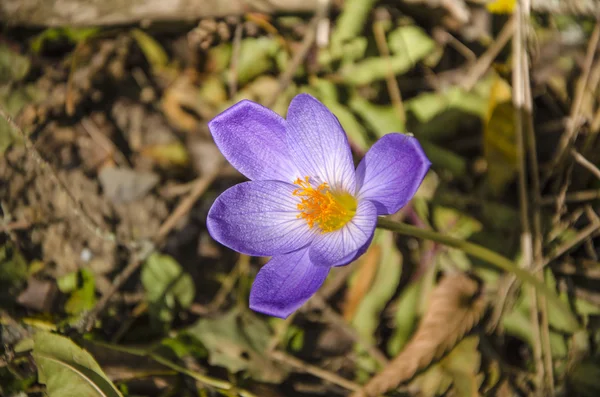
<point>391,172</point>
<point>318,144</point>
<point>285,283</point>
<point>341,246</point>
<point>259,218</point>
<point>252,139</point>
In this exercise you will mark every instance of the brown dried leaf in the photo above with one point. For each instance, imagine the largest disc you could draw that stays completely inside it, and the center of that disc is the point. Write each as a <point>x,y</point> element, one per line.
<point>456,305</point>
<point>366,273</point>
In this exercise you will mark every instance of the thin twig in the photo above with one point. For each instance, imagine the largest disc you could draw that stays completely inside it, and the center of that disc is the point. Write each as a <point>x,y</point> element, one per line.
<point>575,197</point>
<point>519,87</point>
<point>573,127</point>
<point>12,226</point>
<point>572,243</point>
<point>313,370</point>
<point>538,241</point>
<point>200,186</point>
<point>482,65</point>
<point>228,284</point>
<point>586,163</point>
<point>390,78</point>
<point>102,140</point>
<point>286,77</point>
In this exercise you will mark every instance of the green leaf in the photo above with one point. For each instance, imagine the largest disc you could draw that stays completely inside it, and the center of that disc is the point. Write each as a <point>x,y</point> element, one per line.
<point>68,370</point>
<point>82,287</point>
<point>454,223</point>
<point>383,288</point>
<point>73,35</point>
<point>459,369</point>
<point>350,51</point>
<point>428,105</point>
<point>404,58</point>
<point>13,99</point>
<point>257,56</point>
<point>166,285</point>
<point>405,320</point>
<point>13,66</point>
<point>155,54</point>
<point>381,119</point>
<point>584,379</point>
<point>238,343</point>
<point>13,267</point>
<point>445,159</point>
<point>351,21</point>
<point>462,365</point>
<point>410,42</point>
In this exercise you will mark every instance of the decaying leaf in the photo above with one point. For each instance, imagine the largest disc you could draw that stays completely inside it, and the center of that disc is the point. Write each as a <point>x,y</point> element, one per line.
<point>362,281</point>
<point>123,185</point>
<point>172,154</point>
<point>454,308</point>
<point>238,342</point>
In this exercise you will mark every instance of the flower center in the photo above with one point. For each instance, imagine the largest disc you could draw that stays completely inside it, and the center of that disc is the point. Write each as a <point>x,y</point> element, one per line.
<point>323,207</point>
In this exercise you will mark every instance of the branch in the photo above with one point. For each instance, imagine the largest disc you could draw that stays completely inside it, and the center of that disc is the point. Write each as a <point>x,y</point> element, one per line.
<point>80,13</point>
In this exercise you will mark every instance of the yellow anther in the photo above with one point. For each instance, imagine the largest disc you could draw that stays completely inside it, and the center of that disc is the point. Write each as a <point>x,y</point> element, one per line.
<point>322,207</point>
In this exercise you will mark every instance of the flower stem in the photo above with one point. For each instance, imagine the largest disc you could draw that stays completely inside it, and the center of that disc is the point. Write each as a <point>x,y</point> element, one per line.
<point>482,253</point>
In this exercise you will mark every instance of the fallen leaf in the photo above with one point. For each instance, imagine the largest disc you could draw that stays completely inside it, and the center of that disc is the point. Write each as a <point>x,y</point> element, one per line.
<point>124,185</point>
<point>167,155</point>
<point>39,295</point>
<point>361,282</point>
<point>67,370</point>
<point>167,286</point>
<point>238,342</point>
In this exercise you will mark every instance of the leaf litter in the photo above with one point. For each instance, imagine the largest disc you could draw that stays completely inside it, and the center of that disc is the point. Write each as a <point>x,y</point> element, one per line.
<point>120,116</point>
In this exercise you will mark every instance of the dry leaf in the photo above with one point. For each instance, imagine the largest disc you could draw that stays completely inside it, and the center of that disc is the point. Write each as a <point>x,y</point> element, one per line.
<point>363,281</point>
<point>454,308</point>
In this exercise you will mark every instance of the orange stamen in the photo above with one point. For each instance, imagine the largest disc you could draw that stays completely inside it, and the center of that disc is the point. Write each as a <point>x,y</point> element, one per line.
<point>320,206</point>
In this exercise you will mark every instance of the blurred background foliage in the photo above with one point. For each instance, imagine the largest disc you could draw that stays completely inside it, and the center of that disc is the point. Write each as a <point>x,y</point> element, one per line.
<point>111,286</point>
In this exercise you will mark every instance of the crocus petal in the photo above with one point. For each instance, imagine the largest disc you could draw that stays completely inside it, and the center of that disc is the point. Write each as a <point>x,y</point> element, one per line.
<point>259,218</point>
<point>359,252</point>
<point>318,144</point>
<point>391,172</point>
<point>341,246</point>
<point>285,283</point>
<point>252,139</point>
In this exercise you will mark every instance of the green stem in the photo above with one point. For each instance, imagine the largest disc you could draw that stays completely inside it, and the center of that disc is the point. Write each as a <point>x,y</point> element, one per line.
<point>482,253</point>
<point>207,380</point>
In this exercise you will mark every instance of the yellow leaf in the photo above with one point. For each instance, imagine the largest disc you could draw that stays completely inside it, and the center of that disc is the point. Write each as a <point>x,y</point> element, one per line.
<point>501,6</point>
<point>170,154</point>
<point>499,139</point>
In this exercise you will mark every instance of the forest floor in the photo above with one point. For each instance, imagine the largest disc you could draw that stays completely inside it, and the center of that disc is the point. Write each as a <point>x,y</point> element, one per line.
<point>111,285</point>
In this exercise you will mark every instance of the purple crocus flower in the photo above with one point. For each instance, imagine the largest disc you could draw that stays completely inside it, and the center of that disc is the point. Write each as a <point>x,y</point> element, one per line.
<point>305,205</point>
